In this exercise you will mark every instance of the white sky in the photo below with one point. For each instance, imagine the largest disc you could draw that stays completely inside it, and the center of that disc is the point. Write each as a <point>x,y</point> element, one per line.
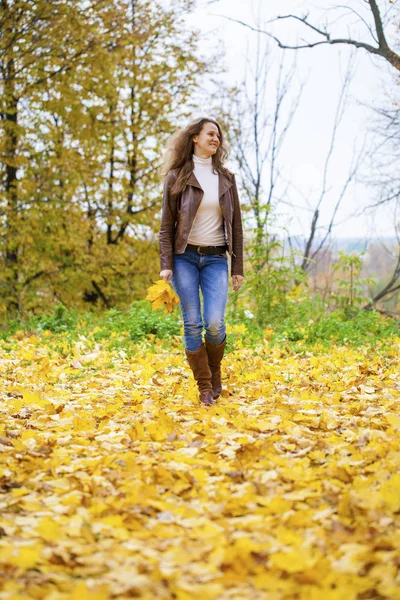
<point>322,70</point>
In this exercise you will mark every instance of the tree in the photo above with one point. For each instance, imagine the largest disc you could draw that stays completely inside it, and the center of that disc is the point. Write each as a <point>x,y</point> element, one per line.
<point>385,164</point>
<point>259,131</point>
<point>259,118</point>
<point>313,245</point>
<point>40,42</point>
<point>367,12</point>
<point>133,105</point>
<point>83,131</point>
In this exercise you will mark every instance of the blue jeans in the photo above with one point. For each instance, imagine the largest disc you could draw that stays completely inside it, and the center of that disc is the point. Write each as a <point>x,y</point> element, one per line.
<point>191,272</point>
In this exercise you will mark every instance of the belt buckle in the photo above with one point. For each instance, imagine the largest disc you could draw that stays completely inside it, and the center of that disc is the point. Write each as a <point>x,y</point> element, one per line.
<point>198,251</point>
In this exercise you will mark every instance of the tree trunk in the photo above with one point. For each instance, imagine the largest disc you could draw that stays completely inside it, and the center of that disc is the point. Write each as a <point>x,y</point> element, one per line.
<point>10,117</point>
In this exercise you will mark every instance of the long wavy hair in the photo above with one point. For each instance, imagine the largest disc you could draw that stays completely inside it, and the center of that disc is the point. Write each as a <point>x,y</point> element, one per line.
<point>180,149</point>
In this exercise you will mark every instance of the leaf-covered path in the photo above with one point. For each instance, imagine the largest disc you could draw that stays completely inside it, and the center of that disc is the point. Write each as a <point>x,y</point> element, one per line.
<point>116,483</point>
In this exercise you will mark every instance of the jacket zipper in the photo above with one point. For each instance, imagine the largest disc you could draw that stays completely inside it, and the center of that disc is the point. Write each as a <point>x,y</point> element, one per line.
<point>226,238</point>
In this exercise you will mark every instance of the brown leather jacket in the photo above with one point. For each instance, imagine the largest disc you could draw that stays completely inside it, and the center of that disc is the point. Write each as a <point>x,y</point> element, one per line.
<point>178,214</point>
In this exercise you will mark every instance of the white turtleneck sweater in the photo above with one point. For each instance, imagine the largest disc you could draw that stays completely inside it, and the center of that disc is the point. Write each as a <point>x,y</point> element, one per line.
<point>207,229</point>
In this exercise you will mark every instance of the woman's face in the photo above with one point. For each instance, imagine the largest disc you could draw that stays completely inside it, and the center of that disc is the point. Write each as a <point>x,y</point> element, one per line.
<point>207,142</point>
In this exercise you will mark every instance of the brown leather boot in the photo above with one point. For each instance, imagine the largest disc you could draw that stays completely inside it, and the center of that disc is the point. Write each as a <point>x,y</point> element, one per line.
<point>215,354</point>
<point>198,361</point>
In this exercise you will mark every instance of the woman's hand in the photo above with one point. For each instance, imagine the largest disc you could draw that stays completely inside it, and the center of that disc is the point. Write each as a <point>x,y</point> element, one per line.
<point>237,281</point>
<point>166,275</point>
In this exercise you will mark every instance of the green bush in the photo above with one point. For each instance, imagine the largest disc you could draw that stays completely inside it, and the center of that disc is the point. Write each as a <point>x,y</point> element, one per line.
<point>358,328</point>
<point>122,327</point>
<point>304,322</point>
<point>138,322</point>
<point>307,322</point>
<point>61,319</point>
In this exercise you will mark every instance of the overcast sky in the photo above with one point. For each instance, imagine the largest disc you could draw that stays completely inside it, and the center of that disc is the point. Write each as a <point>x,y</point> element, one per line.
<point>322,70</point>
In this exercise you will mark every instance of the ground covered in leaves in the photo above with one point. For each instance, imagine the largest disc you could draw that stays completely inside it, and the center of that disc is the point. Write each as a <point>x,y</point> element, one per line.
<point>116,483</point>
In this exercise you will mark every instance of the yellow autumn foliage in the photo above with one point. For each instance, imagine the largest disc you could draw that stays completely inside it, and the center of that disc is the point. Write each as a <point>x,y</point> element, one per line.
<point>116,483</point>
<point>161,294</point>
<point>91,101</point>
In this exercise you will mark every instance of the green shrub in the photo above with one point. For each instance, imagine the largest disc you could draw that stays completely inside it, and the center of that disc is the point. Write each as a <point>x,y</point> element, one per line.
<point>61,319</point>
<point>118,326</point>
<point>303,323</point>
<point>138,322</point>
<point>358,328</point>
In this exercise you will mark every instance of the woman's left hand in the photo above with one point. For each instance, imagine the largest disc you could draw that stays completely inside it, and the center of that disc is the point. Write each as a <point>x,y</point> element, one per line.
<point>237,281</point>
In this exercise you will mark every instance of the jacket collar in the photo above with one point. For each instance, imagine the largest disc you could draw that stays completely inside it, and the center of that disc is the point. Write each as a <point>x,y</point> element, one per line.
<point>193,181</point>
<point>224,183</point>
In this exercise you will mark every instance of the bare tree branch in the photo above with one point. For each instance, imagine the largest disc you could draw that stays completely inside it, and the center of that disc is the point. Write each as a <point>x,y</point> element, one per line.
<point>260,133</point>
<point>310,253</point>
<point>390,288</point>
<point>382,48</point>
<point>379,26</point>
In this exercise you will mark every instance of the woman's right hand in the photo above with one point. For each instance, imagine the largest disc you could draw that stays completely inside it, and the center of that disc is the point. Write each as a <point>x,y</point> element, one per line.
<point>166,275</point>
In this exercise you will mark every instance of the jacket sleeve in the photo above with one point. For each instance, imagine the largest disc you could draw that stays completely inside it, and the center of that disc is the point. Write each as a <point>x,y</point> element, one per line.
<point>237,234</point>
<point>167,228</point>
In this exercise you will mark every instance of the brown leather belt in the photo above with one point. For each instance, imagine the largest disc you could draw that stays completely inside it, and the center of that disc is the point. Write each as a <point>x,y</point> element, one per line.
<point>207,249</point>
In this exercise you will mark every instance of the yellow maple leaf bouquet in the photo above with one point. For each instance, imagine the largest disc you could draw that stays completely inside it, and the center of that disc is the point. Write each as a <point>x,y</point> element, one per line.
<point>162,294</point>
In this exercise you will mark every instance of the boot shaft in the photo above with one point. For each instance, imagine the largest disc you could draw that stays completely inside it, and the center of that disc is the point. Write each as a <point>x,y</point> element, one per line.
<point>198,362</point>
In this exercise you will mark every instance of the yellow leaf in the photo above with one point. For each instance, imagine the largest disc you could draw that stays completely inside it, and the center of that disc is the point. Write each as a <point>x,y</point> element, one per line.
<point>83,592</point>
<point>26,557</point>
<point>162,294</point>
<point>208,530</point>
<point>48,529</point>
<point>29,397</point>
<point>205,591</point>
<point>82,423</point>
<point>394,421</point>
<point>353,557</point>
<point>201,476</point>
<point>137,432</point>
<point>309,419</point>
<point>72,499</point>
<point>390,492</point>
<point>18,492</point>
<point>294,561</point>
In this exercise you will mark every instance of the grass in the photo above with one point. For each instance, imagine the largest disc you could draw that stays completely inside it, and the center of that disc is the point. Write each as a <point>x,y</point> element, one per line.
<point>301,327</point>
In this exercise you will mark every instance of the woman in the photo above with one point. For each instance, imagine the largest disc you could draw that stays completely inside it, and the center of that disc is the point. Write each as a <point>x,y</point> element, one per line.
<point>201,221</point>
